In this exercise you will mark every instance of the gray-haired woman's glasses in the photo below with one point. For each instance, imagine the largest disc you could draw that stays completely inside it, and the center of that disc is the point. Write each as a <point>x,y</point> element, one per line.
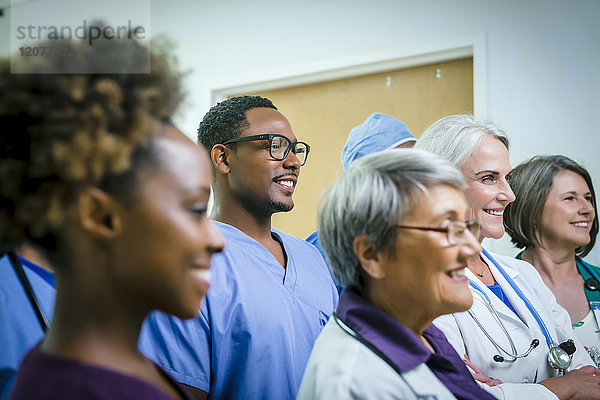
<point>279,146</point>
<point>455,231</point>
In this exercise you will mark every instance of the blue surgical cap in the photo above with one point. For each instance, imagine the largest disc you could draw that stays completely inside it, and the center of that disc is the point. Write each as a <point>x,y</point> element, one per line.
<point>379,132</point>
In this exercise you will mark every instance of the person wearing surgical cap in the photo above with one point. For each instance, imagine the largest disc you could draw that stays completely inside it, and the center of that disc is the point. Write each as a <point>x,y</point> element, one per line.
<point>379,132</point>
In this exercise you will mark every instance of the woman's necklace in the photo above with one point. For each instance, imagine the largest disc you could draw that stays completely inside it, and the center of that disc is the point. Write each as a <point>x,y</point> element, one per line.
<point>482,273</point>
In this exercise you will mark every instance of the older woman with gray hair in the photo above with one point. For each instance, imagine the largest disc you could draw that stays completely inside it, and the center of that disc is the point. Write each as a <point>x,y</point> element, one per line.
<point>515,331</point>
<point>394,231</point>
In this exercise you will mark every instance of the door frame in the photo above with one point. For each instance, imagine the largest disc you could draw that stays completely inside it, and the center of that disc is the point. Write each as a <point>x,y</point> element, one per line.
<point>365,64</point>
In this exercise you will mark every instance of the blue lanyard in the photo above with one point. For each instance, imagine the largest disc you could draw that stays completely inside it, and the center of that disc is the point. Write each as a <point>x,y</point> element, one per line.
<point>512,284</point>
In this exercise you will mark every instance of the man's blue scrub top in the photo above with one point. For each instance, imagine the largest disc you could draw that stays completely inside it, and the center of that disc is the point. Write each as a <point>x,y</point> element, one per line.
<point>20,329</point>
<point>257,325</point>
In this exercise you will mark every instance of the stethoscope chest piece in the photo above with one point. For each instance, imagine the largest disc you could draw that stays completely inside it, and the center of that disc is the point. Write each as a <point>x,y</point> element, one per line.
<point>558,358</point>
<point>592,284</point>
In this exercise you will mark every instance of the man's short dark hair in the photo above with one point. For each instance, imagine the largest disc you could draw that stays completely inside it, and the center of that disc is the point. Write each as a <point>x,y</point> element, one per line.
<point>227,120</point>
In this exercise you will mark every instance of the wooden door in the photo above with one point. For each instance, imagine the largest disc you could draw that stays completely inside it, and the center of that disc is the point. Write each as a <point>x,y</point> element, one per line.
<point>323,114</point>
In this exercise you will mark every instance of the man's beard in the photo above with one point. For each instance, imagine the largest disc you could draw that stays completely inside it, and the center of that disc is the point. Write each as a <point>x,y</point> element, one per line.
<point>279,206</point>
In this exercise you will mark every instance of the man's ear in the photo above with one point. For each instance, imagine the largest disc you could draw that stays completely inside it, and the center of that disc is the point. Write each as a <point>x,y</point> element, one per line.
<point>99,215</point>
<point>219,156</point>
<point>368,257</point>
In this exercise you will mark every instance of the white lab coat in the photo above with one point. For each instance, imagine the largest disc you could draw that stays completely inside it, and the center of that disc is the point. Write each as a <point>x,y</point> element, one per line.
<point>519,377</point>
<point>341,367</point>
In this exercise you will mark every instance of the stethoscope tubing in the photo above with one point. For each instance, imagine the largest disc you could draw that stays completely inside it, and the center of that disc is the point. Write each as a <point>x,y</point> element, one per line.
<point>374,349</point>
<point>365,342</point>
<point>590,271</point>
<point>558,358</point>
<point>37,307</point>
<point>514,355</point>
<point>522,296</point>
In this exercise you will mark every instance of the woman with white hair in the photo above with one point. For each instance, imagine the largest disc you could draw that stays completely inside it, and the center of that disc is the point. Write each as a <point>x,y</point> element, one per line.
<point>394,231</point>
<point>515,331</point>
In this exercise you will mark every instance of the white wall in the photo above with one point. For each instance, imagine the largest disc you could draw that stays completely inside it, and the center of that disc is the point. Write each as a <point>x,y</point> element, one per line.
<point>543,56</point>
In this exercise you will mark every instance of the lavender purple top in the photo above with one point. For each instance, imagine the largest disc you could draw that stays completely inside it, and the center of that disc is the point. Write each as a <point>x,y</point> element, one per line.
<point>46,376</point>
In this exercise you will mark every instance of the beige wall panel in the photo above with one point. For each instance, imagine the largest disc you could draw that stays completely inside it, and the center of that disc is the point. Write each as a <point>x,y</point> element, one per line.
<point>323,114</point>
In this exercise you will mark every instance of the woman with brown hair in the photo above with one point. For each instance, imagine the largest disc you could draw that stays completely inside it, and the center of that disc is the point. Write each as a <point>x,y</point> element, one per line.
<point>554,220</point>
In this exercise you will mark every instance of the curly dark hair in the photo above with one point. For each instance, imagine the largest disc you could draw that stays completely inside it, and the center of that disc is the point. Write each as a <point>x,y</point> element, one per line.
<point>531,181</point>
<point>227,119</point>
<point>64,133</point>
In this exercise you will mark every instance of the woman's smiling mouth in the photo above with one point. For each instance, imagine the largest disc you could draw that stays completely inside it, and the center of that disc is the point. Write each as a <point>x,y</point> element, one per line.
<point>496,213</point>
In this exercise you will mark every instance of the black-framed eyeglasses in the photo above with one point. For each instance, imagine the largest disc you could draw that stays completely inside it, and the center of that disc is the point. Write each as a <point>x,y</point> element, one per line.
<point>279,146</point>
<point>455,231</point>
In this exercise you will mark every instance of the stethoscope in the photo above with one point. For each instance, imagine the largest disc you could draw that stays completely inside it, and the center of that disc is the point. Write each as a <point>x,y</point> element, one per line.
<point>374,349</point>
<point>37,307</point>
<point>513,355</point>
<point>593,283</point>
<point>365,342</point>
<point>558,356</point>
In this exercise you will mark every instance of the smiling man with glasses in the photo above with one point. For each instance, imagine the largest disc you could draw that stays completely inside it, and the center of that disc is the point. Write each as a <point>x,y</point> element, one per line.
<point>279,146</point>
<point>271,293</point>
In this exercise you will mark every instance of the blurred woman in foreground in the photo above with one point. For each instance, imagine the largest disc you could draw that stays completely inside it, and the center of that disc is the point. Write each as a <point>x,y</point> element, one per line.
<point>394,231</point>
<point>115,197</point>
<point>555,220</point>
